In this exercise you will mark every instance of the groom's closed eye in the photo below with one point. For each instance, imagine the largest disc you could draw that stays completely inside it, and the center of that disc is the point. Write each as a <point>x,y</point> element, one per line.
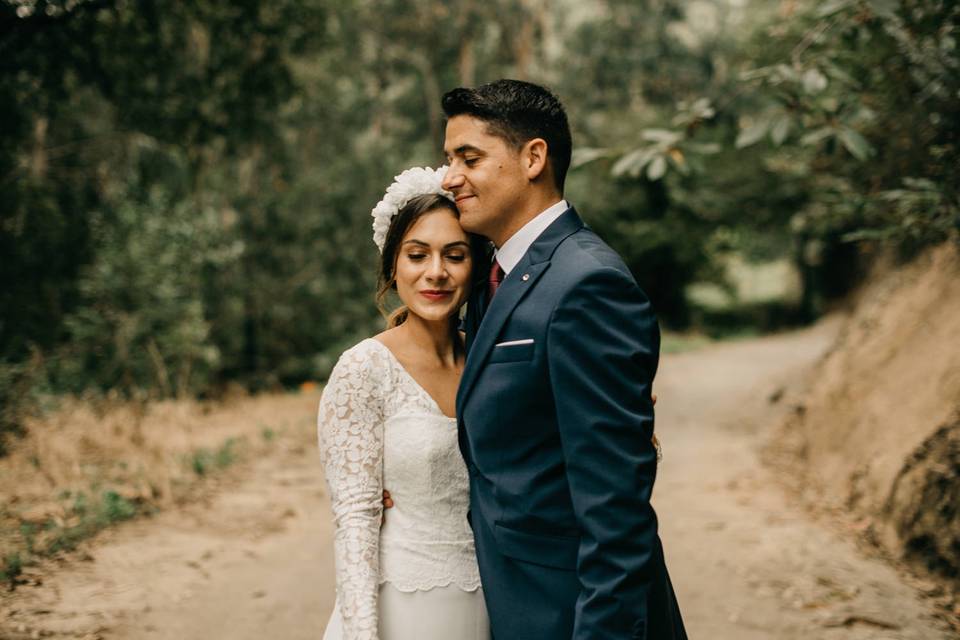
<point>466,151</point>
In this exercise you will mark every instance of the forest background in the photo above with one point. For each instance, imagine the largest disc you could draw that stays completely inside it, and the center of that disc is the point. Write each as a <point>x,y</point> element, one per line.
<point>186,186</point>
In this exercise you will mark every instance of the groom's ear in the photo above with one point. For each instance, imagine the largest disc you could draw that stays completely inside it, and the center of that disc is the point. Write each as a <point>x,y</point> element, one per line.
<point>534,157</point>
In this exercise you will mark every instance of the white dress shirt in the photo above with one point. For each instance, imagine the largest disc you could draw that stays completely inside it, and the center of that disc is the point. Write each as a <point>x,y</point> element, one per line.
<point>509,255</point>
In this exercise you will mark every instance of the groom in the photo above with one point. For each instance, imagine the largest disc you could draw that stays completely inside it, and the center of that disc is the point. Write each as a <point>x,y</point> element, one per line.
<point>554,407</point>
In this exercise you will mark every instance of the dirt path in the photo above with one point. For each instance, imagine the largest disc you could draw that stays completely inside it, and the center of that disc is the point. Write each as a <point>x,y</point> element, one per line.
<point>254,560</point>
<point>747,564</point>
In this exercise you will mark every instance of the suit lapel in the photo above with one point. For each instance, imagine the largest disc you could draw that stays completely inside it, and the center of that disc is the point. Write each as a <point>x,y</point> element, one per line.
<point>513,289</point>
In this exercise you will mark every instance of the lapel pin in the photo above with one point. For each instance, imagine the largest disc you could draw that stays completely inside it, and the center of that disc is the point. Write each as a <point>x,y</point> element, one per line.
<point>525,277</point>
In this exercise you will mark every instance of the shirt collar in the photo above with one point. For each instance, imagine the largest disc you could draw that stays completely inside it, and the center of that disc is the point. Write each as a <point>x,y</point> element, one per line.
<point>509,255</point>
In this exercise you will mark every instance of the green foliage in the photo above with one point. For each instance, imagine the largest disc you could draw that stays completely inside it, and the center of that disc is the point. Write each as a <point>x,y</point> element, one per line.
<point>187,186</point>
<point>85,517</point>
<point>83,514</point>
<point>12,567</point>
<point>28,532</point>
<point>14,402</point>
<point>268,433</point>
<point>203,461</point>
<point>644,193</point>
<point>142,322</point>
<point>91,516</point>
<point>839,125</point>
<point>865,95</point>
<point>115,508</point>
<point>82,85</point>
<point>682,343</point>
<point>919,214</point>
<point>192,183</point>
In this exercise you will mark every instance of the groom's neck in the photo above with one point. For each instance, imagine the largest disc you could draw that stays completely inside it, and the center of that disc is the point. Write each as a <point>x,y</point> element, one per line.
<point>531,208</point>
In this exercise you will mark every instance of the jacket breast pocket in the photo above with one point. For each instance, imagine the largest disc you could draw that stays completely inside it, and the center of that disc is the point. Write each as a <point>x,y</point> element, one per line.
<point>512,351</point>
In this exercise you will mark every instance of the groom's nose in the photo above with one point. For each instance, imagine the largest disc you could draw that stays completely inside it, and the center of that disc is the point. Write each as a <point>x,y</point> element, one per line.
<point>453,179</point>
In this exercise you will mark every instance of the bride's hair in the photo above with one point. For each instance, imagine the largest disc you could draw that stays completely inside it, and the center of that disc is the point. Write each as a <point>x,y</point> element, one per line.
<point>399,225</point>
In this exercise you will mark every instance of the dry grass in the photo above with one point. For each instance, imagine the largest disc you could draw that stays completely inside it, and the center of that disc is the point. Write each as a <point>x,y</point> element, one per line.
<point>85,467</point>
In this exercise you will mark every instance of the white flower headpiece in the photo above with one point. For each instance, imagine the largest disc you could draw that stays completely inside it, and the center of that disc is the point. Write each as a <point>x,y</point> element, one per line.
<point>413,182</point>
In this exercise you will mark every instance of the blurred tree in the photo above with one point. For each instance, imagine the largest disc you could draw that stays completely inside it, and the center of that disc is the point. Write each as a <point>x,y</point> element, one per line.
<point>187,186</point>
<point>643,81</point>
<point>142,325</point>
<point>858,105</point>
<point>101,103</point>
<point>832,65</point>
<point>840,127</point>
<point>82,84</point>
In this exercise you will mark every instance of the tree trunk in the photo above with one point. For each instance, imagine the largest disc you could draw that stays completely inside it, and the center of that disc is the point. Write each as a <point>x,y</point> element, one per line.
<point>467,61</point>
<point>38,158</point>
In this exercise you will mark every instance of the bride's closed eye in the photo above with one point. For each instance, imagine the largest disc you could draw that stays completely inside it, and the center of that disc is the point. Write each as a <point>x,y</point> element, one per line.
<point>455,257</point>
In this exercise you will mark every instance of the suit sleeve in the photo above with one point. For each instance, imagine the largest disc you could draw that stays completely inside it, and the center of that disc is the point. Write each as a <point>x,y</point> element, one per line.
<point>602,346</point>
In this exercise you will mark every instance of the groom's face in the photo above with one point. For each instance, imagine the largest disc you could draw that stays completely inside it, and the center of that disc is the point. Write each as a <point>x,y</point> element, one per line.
<point>485,175</point>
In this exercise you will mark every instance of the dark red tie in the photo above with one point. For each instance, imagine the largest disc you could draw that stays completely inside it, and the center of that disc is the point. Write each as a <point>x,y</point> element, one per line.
<point>493,282</point>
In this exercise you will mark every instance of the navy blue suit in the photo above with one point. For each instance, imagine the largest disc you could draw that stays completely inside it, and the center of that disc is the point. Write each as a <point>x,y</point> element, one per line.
<point>556,432</point>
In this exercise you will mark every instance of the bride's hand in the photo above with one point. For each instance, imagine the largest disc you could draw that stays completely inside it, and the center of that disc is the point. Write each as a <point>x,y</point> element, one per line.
<point>387,503</point>
<point>654,439</point>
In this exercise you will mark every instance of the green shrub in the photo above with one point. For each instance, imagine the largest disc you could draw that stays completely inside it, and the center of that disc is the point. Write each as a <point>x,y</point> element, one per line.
<point>142,324</point>
<point>115,508</point>
<point>12,567</point>
<point>202,461</point>
<point>13,404</point>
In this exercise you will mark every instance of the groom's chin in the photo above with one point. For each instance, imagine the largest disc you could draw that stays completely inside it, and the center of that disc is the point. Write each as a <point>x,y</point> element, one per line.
<point>468,220</point>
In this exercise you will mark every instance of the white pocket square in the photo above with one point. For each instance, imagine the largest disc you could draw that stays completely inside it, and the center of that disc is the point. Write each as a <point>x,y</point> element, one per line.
<point>512,343</point>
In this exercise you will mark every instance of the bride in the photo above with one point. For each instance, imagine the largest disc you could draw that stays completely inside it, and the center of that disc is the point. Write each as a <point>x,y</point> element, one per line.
<point>387,417</point>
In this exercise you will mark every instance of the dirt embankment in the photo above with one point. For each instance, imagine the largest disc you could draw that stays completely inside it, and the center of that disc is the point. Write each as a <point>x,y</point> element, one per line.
<point>878,433</point>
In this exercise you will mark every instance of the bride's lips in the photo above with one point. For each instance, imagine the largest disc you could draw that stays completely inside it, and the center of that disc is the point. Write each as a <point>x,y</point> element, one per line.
<point>436,294</point>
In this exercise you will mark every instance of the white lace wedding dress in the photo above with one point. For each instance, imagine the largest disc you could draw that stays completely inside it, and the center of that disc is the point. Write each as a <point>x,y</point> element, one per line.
<point>415,577</point>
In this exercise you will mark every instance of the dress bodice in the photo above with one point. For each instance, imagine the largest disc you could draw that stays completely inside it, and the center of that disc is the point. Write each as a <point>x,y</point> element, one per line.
<point>379,429</point>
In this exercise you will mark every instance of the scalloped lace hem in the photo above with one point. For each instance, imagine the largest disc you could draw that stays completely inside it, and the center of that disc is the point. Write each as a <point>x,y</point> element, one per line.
<point>468,585</point>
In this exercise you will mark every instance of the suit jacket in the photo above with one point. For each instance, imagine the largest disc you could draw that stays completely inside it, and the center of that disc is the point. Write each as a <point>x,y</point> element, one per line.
<point>555,422</point>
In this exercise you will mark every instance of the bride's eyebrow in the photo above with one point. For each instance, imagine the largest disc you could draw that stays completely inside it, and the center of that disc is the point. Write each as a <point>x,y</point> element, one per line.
<point>449,245</point>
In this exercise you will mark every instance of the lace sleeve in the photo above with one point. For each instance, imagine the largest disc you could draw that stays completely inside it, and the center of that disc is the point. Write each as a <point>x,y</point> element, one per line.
<point>350,429</point>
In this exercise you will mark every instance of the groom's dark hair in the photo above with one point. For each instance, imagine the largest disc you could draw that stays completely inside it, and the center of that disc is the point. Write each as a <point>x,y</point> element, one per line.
<point>518,112</point>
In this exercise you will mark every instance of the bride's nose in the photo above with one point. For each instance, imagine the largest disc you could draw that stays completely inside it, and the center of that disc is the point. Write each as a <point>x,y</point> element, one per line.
<point>436,270</point>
